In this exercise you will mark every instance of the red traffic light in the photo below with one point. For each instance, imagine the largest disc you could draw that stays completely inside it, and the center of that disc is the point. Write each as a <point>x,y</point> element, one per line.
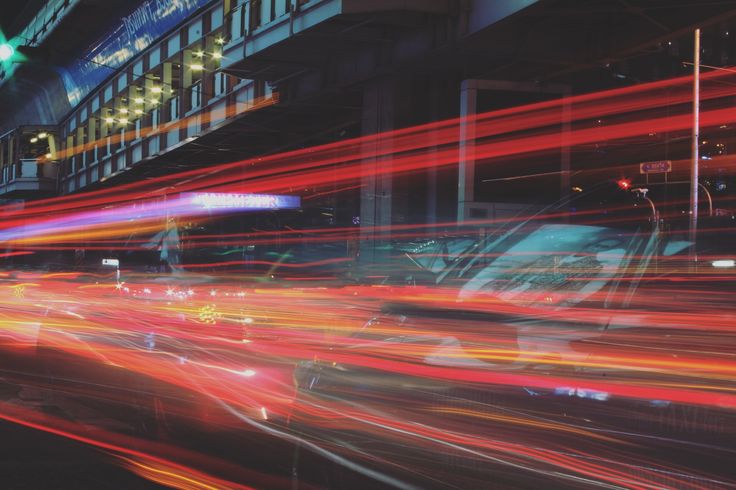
<point>624,184</point>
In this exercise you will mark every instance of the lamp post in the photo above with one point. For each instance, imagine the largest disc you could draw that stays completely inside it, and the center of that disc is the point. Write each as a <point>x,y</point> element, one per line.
<point>642,193</point>
<point>710,198</point>
<point>695,130</point>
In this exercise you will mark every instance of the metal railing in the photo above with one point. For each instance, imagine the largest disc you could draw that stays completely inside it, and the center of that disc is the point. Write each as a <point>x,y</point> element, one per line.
<point>29,168</point>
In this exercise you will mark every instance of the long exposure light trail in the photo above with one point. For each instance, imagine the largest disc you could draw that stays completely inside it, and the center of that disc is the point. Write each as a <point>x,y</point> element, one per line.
<point>263,182</point>
<point>543,367</point>
<point>487,125</point>
<point>301,338</point>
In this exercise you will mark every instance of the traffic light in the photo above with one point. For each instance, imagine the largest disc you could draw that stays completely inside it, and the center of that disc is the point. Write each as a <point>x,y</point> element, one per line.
<point>624,184</point>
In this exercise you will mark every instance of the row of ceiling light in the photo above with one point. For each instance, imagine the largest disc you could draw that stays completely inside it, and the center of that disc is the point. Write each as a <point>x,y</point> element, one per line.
<point>40,136</point>
<point>157,90</point>
<point>217,55</point>
<point>137,110</point>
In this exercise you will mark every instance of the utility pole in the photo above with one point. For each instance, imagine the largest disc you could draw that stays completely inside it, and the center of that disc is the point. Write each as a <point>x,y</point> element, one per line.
<point>695,143</point>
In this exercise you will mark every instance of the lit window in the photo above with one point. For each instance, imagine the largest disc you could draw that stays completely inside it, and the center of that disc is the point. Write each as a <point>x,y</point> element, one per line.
<point>173,44</point>
<point>138,69</point>
<point>195,30</point>
<point>174,109</point>
<point>220,83</point>
<point>154,118</point>
<point>196,95</point>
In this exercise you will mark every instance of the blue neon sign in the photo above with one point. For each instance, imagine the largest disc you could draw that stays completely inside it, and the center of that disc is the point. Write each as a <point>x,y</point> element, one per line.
<point>226,200</point>
<point>136,32</point>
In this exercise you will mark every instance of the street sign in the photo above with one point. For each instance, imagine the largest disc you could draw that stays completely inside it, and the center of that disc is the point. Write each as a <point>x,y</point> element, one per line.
<point>660,167</point>
<point>111,262</point>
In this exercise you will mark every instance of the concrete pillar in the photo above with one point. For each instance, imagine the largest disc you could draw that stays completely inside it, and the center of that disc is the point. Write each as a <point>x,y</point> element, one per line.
<point>79,150</point>
<point>565,146</point>
<point>167,80</point>
<point>122,119</point>
<point>92,138</point>
<point>466,158</point>
<point>186,70</point>
<point>212,64</point>
<point>435,96</point>
<point>69,149</point>
<point>152,101</point>
<point>105,113</point>
<point>375,195</point>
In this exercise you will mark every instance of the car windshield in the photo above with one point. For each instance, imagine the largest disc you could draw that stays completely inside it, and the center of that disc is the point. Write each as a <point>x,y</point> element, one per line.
<point>555,263</point>
<point>561,265</point>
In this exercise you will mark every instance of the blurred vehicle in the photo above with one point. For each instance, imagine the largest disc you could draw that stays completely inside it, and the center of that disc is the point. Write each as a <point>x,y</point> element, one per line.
<point>146,358</point>
<point>503,334</point>
<point>517,333</point>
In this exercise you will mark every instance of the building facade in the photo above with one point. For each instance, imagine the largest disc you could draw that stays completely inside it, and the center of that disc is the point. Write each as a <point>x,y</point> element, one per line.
<point>165,85</point>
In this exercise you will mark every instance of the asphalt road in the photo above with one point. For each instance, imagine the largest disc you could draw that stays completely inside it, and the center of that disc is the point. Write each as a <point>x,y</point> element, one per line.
<point>31,459</point>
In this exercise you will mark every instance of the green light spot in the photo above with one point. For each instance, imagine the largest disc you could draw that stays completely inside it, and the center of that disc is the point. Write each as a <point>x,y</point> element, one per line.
<point>6,51</point>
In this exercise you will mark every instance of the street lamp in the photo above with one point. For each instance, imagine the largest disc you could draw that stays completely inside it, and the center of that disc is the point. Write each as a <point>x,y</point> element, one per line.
<point>641,192</point>
<point>693,231</point>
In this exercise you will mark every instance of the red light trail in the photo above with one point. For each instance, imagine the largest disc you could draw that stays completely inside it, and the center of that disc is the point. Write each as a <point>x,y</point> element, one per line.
<point>219,350</point>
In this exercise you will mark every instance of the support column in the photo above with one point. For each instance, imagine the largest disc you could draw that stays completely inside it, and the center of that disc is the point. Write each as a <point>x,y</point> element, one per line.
<point>79,150</point>
<point>695,142</point>
<point>565,147</point>
<point>434,100</point>
<point>92,142</point>
<point>376,178</point>
<point>167,77</point>
<point>212,64</point>
<point>466,162</point>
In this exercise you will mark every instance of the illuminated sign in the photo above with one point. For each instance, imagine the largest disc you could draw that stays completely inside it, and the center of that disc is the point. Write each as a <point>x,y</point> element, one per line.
<point>132,35</point>
<point>660,167</point>
<point>221,200</point>
<point>111,262</point>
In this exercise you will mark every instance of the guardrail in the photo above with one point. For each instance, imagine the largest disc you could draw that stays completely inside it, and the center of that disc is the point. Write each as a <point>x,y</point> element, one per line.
<point>29,169</point>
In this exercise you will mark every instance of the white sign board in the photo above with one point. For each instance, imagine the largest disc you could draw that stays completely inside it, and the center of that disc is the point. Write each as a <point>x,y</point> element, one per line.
<point>660,167</point>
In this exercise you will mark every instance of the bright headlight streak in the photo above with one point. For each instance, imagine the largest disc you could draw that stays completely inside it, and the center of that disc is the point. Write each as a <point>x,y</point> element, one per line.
<point>724,263</point>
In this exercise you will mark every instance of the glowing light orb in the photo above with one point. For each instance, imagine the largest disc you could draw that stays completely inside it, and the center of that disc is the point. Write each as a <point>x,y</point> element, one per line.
<point>6,51</point>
